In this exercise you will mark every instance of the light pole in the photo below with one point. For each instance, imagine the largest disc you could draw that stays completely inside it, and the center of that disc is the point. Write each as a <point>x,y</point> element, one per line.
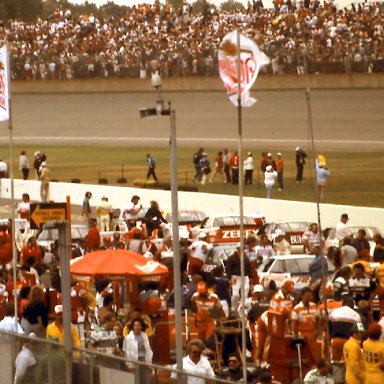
<point>161,111</point>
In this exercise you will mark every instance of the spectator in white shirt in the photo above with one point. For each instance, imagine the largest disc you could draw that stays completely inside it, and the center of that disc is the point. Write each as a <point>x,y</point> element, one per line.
<point>25,360</point>
<point>24,164</point>
<point>264,250</point>
<point>8,323</point>
<point>131,211</point>
<point>270,176</point>
<point>280,244</point>
<point>199,252</point>
<point>342,230</point>
<point>248,168</point>
<point>23,209</point>
<point>196,364</point>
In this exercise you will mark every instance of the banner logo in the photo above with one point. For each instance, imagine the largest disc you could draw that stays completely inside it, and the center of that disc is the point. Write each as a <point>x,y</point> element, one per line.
<point>251,60</point>
<point>3,84</point>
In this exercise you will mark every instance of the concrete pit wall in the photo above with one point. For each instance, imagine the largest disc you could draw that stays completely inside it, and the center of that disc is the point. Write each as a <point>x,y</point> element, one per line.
<point>264,83</point>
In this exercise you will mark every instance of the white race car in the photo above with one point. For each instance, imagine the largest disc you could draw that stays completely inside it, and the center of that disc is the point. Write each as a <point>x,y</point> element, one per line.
<point>295,267</point>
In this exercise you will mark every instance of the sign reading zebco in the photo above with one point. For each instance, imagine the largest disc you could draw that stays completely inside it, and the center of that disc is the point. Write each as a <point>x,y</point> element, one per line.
<point>41,213</point>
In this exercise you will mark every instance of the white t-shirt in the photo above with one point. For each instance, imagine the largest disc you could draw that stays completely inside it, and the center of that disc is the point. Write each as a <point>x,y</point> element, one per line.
<point>23,208</point>
<point>248,163</point>
<point>266,251</point>
<point>128,215</point>
<point>24,360</point>
<point>199,249</point>
<point>8,324</point>
<point>269,178</point>
<point>203,368</point>
<point>342,230</point>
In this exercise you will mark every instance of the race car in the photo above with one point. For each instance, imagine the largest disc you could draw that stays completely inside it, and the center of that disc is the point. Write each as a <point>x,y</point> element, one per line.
<point>224,233</point>
<point>330,239</point>
<point>292,230</point>
<point>295,267</point>
<point>258,217</point>
<point>226,228</point>
<point>189,222</point>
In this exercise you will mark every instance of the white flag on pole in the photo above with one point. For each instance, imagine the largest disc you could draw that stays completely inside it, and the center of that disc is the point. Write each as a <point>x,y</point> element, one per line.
<point>251,60</point>
<point>4,84</point>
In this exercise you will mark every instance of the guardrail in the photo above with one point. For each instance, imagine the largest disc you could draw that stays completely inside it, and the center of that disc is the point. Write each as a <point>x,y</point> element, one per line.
<point>87,366</point>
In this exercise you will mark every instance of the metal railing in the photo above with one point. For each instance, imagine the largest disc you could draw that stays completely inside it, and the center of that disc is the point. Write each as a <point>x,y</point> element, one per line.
<point>88,366</point>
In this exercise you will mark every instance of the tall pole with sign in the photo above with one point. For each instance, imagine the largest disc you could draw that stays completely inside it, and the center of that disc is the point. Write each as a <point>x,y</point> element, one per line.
<point>6,115</point>
<point>241,208</point>
<point>239,62</point>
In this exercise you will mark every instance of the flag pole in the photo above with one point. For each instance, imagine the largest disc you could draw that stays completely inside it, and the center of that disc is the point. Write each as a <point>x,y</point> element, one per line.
<point>317,195</point>
<point>12,204</point>
<point>241,209</point>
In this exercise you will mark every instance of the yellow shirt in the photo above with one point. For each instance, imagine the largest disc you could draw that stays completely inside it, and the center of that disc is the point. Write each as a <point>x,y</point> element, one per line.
<point>354,362</point>
<point>54,332</point>
<point>374,357</point>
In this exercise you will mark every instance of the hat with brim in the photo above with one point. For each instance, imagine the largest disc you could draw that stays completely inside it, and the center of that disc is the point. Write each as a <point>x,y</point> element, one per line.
<point>290,285</point>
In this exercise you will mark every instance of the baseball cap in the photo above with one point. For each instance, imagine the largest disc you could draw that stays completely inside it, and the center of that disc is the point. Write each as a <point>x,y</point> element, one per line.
<point>279,154</point>
<point>104,198</point>
<point>258,288</point>
<point>201,287</point>
<point>290,285</point>
<point>58,309</point>
<point>357,327</point>
<point>269,154</point>
<point>297,148</point>
<point>43,164</point>
<point>202,235</point>
<point>268,168</point>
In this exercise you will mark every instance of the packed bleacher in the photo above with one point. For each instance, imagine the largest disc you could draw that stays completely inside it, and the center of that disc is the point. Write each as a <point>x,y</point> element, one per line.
<point>302,38</point>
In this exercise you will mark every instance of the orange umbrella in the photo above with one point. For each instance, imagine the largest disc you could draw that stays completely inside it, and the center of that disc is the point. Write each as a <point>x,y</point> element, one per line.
<point>116,262</point>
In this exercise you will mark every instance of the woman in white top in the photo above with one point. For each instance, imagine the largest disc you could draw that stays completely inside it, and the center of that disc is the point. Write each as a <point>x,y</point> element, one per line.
<point>270,176</point>
<point>136,348</point>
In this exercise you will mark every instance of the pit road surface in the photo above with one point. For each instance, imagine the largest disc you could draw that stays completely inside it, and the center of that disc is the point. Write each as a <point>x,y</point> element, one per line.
<point>342,119</point>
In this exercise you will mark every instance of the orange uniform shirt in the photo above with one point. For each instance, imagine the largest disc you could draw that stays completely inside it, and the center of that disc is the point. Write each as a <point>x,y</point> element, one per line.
<point>281,303</point>
<point>306,317</point>
<point>93,239</point>
<point>279,164</point>
<point>28,251</point>
<point>205,304</point>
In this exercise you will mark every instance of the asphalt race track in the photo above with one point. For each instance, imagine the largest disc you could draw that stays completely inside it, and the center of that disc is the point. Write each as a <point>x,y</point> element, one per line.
<point>343,119</point>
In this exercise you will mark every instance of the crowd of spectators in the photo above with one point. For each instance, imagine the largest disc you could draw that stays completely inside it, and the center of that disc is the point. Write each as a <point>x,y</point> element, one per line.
<point>299,38</point>
<point>324,314</point>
